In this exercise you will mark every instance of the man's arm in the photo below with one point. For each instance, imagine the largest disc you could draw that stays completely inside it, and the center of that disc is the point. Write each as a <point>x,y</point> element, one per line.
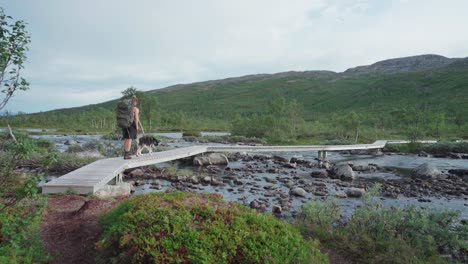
<point>137,116</point>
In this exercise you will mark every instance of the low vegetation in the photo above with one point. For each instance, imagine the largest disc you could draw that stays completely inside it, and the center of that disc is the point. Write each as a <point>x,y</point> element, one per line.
<point>199,228</point>
<point>377,234</point>
<point>20,204</point>
<point>442,148</point>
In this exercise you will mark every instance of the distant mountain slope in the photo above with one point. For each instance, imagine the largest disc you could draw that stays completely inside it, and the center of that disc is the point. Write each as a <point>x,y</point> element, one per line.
<point>428,82</point>
<point>402,65</point>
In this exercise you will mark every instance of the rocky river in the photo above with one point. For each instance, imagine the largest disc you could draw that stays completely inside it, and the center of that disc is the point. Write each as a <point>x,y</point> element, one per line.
<point>281,182</point>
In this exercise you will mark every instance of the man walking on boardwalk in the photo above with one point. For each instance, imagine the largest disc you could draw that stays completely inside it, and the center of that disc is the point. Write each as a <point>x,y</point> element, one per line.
<point>131,132</point>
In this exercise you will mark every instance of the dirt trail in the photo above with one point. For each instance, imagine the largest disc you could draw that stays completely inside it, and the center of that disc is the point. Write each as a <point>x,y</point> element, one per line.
<point>70,228</point>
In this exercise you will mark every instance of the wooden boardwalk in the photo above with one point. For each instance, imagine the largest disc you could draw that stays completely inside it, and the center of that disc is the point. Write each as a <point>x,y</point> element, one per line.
<point>92,177</point>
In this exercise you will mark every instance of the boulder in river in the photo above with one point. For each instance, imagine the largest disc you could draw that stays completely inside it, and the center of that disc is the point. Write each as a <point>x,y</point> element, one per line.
<point>211,159</point>
<point>70,142</point>
<point>426,171</point>
<point>344,172</point>
<point>298,192</point>
<point>355,192</point>
<point>137,173</point>
<point>319,174</point>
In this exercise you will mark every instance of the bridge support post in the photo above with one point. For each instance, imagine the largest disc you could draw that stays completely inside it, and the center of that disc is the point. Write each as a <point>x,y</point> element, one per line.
<point>377,152</point>
<point>322,155</point>
<point>119,178</point>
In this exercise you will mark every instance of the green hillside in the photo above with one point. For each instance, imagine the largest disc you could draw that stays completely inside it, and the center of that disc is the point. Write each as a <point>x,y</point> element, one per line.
<point>385,101</point>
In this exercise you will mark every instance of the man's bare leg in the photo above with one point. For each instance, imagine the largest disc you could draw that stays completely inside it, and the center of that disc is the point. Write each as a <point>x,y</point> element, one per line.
<point>127,146</point>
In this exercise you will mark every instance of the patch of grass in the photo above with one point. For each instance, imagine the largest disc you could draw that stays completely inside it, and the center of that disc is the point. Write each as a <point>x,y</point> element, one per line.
<point>191,133</point>
<point>199,228</point>
<point>376,234</point>
<point>436,148</point>
<point>65,162</point>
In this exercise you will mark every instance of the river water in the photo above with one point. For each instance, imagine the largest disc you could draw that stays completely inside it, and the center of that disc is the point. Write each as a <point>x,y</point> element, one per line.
<point>254,187</point>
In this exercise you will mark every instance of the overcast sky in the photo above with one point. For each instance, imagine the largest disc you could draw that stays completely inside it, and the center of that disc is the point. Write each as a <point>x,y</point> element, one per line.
<point>88,51</point>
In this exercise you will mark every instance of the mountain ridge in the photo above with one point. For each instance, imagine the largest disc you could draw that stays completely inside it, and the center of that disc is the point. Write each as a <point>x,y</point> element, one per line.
<point>389,66</point>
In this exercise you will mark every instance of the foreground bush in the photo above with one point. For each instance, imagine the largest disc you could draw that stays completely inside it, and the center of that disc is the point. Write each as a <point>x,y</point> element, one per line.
<point>20,240</point>
<point>199,228</point>
<point>376,234</point>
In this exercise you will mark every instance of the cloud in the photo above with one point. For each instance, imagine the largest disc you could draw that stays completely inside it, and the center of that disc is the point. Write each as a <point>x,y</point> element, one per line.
<point>107,46</point>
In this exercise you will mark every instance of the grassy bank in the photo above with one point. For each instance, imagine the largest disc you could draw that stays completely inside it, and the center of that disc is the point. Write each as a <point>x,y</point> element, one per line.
<point>376,234</point>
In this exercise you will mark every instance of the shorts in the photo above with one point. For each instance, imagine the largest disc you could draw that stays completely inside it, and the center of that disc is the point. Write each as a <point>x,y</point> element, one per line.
<point>129,133</point>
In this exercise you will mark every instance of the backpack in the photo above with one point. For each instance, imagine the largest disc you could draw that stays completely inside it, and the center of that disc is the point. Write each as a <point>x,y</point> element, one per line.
<point>124,113</point>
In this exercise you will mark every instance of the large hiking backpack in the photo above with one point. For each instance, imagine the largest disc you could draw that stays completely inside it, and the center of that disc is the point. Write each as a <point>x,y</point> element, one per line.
<point>124,113</point>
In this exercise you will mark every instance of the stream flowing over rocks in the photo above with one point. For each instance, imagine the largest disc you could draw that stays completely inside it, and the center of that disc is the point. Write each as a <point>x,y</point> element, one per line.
<point>281,182</point>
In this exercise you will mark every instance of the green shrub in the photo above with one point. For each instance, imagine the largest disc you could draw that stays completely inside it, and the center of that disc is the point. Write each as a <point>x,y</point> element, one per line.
<point>92,145</point>
<point>320,217</point>
<point>376,234</point>
<point>65,162</point>
<point>20,240</point>
<point>75,148</point>
<point>191,133</point>
<point>198,228</point>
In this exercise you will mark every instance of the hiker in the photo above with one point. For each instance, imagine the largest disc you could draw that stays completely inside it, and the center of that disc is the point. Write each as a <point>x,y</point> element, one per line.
<point>131,132</point>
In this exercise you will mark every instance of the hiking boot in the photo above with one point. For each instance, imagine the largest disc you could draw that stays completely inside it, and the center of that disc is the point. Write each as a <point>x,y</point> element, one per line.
<point>127,155</point>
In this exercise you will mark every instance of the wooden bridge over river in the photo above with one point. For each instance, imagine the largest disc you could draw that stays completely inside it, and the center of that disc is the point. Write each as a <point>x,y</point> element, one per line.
<point>92,177</point>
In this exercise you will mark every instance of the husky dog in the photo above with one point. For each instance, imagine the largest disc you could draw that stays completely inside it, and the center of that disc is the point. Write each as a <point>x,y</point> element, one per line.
<point>148,142</point>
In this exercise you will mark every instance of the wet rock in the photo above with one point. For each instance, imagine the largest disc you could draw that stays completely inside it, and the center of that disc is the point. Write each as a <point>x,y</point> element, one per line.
<point>254,204</point>
<point>70,142</point>
<point>319,184</point>
<point>238,182</point>
<point>213,169</point>
<point>273,170</point>
<point>423,154</point>
<point>459,172</point>
<point>453,155</point>
<point>262,157</point>
<point>215,182</point>
<point>426,171</point>
<point>343,172</point>
<point>206,179</point>
<point>289,184</point>
<point>321,193</point>
<point>290,165</point>
<point>280,159</point>
<point>270,180</point>
<point>194,180</point>
<point>136,173</point>
<point>247,158</point>
<point>424,200</point>
<point>270,187</point>
<point>341,195</point>
<point>276,209</point>
<point>298,192</point>
<point>355,192</point>
<point>368,168</point>
<point>319,174</point>
<point>324,164</point>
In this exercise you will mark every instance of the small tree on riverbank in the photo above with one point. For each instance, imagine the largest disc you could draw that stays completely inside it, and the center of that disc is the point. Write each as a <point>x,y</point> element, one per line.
<point>13,46</point>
